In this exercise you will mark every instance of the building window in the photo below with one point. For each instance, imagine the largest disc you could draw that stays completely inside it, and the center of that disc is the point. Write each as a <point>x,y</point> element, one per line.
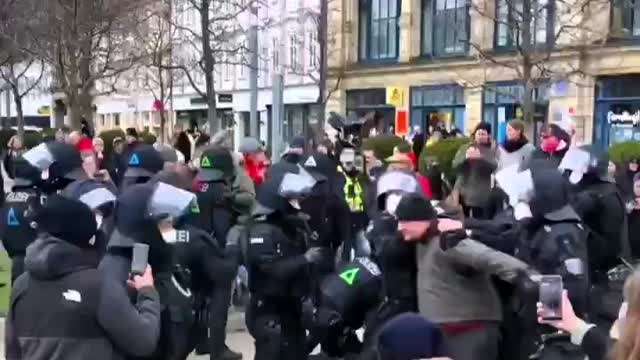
<point>293,53</point>
<point>313,50</point>
<point>116,119</point>
<point>276,55</point>
<point>265,66</point>
<point>510,22</point>
<point>625,18</point>
<point>445,27</point>
<point>227,71</point>
<point>379,22</point>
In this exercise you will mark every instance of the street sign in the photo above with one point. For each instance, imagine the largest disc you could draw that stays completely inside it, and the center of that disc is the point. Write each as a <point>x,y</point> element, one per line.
<point>402,123</point>
<point>397,96</point>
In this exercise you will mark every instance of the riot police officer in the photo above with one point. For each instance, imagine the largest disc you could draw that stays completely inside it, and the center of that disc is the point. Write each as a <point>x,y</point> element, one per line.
<point>329,215</point>
<point>597,200</point>
<point>277,259</point>
<point>355,186</point>
<point>395,257</point>
<point>60,164</point>
<point>554,243</point>
<point>147,213</point>
<point>345,298</point>
<point>20,205</point>
<point>144,162</point>
<point>220,205</point>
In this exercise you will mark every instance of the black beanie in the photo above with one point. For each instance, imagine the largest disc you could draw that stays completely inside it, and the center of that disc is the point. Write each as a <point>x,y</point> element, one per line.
<point>413,207</point>
<point>483,126</point>
<point>69,220</point>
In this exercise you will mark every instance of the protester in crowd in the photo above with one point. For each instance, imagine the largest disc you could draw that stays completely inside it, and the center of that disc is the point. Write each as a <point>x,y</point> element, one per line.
<point>61,266</point>
<point>255,160</point>
<point>417,140</point>
<point>115,163</point>
<point>98,146</point>
<point>86,129</point>
<point>475,164</point>
<point>622,341</point>
<point>454,285</point>
<point>633,209</point>
<point>555,141</point>
<point>516,148</point>
<point>132,137</point>
<point>624,178</point>
<point>80,141</point>
<point>183,144</point>
<point>404,159</point>
<point>295,151</point>
<point>61,134</point>
<point>15,147</point>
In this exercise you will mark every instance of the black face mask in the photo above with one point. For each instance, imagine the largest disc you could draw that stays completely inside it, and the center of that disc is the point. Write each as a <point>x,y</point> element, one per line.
<point>352,172</point>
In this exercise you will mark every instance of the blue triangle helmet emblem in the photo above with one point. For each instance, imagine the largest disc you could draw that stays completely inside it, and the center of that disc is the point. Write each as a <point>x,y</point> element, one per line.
<point>12,220</point>
<point>134,160</point>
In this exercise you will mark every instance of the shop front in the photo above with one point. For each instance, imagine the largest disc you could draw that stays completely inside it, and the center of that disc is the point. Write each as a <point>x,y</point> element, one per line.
<point>371,104</point>
<point>617,115</point>
<point>502,102</point>
<point>437,106</point>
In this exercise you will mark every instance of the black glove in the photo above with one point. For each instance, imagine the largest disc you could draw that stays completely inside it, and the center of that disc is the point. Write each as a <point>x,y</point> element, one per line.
<point>451,239</point>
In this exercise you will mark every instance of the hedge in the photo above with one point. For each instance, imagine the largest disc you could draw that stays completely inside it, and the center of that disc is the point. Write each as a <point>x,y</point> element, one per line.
<point>382,145</point>
<point>438,156</point>
<point>623,152</point>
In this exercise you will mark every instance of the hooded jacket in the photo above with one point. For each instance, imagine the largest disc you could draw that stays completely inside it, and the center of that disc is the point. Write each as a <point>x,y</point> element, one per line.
<point>78,320</point>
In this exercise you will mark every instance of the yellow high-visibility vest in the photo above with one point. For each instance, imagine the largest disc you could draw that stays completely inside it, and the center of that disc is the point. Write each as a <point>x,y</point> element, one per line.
<point>356,204</point>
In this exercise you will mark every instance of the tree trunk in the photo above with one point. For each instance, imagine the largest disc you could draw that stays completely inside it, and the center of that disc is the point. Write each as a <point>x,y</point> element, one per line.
<point>528,46</point>
<point>322,86</point>
<point>209,62</point>
<point>19,113</point>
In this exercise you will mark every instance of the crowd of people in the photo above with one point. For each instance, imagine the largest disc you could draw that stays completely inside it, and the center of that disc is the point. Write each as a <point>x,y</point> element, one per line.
<point>335,238</point>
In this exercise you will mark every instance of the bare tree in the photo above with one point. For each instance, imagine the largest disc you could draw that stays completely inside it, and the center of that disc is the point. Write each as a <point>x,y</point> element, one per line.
<point>154,71</point>
<point>326,41</point>
<point>534,34</point>
<point>212,42</point>
<point>88,44</point>
<point>20,70</point>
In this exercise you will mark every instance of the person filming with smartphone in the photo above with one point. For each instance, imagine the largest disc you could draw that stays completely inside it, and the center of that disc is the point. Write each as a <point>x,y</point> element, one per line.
<point>81,320</point>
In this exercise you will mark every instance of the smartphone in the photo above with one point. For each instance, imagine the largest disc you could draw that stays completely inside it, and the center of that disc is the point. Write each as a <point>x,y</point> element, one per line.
<point>550,297</point>
<point>140,259</point>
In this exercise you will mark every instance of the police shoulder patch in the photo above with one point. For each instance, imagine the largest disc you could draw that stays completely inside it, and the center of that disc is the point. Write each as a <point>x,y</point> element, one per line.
<point>311,162</point>
<point>134,161</point>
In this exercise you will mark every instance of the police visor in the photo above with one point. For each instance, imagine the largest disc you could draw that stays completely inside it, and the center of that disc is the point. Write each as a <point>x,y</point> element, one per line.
<point>168,201</point>
<point>39,157</point>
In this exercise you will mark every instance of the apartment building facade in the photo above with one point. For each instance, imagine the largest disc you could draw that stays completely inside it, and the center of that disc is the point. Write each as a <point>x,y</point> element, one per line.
<point>459,62</point>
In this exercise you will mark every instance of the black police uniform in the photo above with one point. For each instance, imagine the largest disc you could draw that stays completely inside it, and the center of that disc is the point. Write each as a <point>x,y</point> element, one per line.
<point>208,267</point>
<point>397,260</point>
<point>278,281</point>
<point>216,216</point>
<point>21,204</point>
<point>599,203</point>
<point>554,243</point>
<point>345,298</point>
<point>329,215</point>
